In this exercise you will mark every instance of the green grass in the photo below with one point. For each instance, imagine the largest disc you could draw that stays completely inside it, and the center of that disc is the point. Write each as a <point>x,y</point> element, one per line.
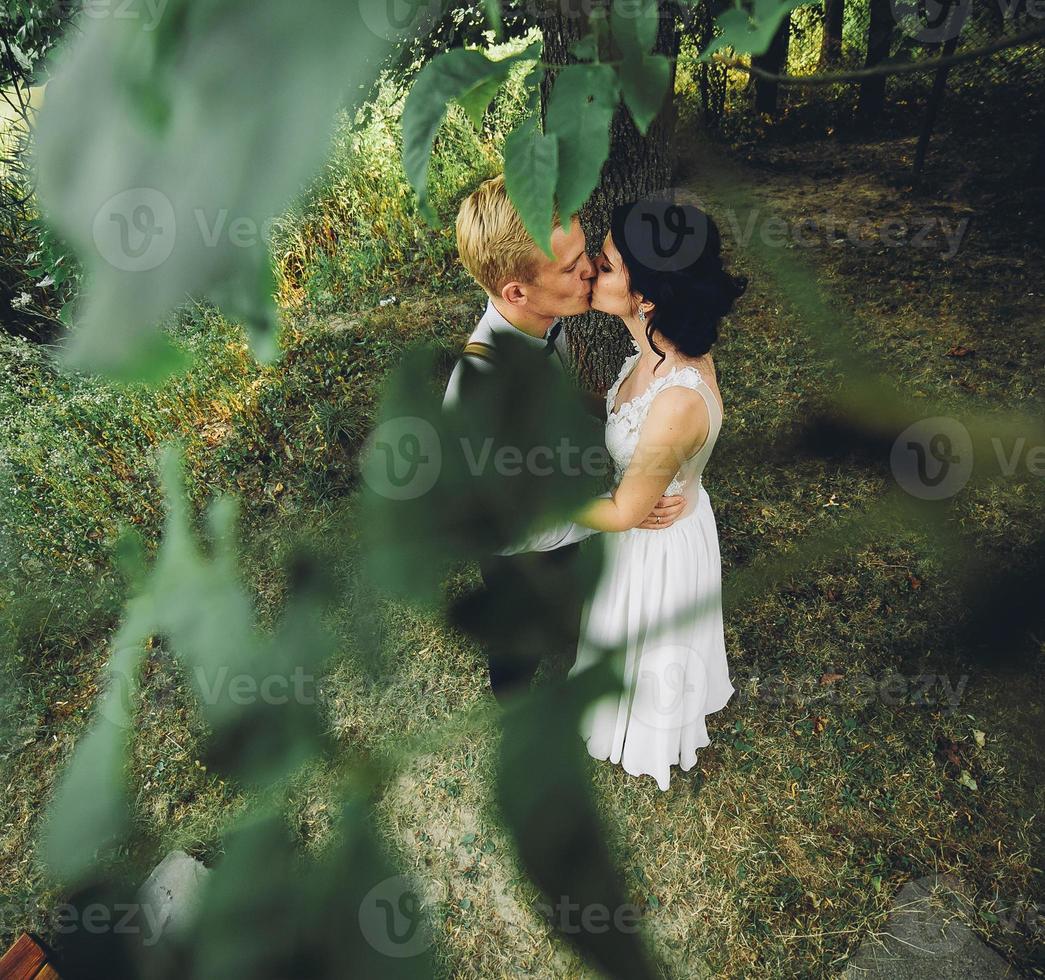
<point>783,849</point>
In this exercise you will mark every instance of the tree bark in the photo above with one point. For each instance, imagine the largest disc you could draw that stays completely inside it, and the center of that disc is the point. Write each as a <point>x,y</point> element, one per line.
<point>831,44</point>
<point>879,41</point>
<point>637,166</point>
<point>774,61</point>
<point>1037,169</point>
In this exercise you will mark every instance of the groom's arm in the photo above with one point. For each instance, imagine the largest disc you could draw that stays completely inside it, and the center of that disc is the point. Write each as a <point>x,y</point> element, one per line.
<point>663,515</point>
<point>554,537</point>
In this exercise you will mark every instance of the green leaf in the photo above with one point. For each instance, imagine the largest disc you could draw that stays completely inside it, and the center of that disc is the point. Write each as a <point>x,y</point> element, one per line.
<point>392,933</point>
<point>750,32</point>
<point>260,878</point>
<point>644,77</point>
<point>633,24</point>
<point>256,693</point>
<point>531,166</point>
<point>586,49</point>
<point>448,484</point>
<point>89,812</point>
<point>598,24</point>
<point>464,76</point>
<point>493,17</point>
<point>532,87</point>
<point>580,110</point>
<point>644,84</point>
<point>477,99</point>
<point>267,909</point>
<point>559,837</point>
<point>164,154</point>
<point>150,359</point>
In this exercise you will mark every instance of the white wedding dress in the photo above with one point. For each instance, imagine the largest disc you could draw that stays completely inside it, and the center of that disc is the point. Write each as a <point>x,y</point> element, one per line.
<point>672,664</point>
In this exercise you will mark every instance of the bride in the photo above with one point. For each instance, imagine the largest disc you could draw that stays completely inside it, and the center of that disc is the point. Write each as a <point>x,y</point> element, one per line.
<point>658,603</point>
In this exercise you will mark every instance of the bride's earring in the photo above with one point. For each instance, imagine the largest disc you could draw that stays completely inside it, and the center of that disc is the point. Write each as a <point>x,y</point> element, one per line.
<point>642,315</point>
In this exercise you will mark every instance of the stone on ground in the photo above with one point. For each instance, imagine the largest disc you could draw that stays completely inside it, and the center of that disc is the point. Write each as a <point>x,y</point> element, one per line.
<point>925,939</point>
<point>173,891</point>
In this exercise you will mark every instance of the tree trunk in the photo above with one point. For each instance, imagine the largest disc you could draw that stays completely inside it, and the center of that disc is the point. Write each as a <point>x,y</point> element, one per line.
<point>879,41</point>
<point>932,108</point>
<point>831,44</point>
<point>637,166</point>
<point>1037,168</point>
<point>775,61</point>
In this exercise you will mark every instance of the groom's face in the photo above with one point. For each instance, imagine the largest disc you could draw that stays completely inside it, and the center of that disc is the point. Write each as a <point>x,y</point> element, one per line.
<point>562,286</point>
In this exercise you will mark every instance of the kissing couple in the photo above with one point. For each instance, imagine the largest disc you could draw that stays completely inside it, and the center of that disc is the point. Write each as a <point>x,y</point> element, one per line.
<point>657,602</point>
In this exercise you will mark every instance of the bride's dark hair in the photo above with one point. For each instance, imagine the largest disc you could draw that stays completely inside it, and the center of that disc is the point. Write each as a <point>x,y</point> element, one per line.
<point>691,290</point>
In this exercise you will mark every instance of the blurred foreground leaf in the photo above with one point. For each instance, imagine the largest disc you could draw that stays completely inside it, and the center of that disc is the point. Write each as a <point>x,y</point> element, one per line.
<point>544,790</point>
<point>89,811</point>
<point>257,695</point>
<point>445,486</point>
<point>750,31</point>
<point>171,136</point>
<point>270,912</point>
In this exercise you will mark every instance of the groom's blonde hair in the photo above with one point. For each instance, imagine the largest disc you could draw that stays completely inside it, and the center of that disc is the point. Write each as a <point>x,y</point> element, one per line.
<point>493,243</point>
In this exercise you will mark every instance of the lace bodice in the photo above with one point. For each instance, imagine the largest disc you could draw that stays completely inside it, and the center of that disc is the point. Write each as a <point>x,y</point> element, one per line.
<point>624,425</point>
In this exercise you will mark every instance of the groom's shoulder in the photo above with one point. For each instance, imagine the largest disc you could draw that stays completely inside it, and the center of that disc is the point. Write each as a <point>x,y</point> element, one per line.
<point>480,352</point>
<point>480,349</point>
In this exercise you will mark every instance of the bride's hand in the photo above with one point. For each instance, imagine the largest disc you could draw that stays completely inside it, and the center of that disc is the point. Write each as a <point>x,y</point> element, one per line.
<point>666,511</point>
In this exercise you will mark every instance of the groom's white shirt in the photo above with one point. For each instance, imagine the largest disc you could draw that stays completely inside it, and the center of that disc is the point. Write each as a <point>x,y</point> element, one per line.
<point>489,324</point>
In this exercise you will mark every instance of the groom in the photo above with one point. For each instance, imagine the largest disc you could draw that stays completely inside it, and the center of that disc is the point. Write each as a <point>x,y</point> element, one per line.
<point>527,293</point>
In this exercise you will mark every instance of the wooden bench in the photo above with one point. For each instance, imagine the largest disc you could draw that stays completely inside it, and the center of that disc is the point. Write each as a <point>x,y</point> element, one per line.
<point>27,960</point>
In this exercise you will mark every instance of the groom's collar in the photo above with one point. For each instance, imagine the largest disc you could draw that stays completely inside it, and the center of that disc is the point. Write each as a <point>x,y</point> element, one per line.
<point>498,324</point>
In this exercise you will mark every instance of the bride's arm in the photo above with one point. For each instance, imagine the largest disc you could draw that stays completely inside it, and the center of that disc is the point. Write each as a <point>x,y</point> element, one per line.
<point>676,425</point>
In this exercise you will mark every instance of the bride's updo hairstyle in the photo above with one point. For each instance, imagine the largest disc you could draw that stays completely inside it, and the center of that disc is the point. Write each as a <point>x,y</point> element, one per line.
<point>672,254</point>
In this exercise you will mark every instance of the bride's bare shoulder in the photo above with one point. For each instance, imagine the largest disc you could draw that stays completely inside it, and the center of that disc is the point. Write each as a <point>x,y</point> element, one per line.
<point>681,409</point>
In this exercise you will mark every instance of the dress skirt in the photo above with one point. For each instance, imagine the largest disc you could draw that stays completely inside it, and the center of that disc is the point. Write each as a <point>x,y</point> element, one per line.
<point>658,601</point>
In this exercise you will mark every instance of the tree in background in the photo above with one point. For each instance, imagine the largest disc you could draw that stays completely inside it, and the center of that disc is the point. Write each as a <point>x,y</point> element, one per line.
<point>831,45</point>
<point>775,61</point>
<point>880,27</point>
<point>638,165</point>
